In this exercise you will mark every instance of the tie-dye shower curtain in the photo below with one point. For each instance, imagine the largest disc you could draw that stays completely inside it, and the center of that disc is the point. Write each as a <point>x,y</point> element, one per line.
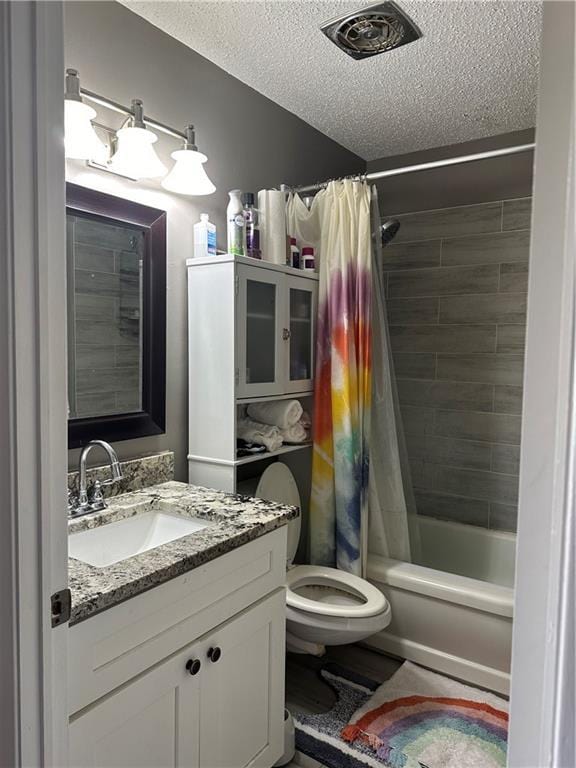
<point>393,524</point>
<point>339,499</point>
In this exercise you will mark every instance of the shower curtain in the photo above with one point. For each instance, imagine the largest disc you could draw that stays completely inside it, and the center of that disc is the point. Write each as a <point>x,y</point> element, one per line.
<point>339,227</point>
<point>393,529</point>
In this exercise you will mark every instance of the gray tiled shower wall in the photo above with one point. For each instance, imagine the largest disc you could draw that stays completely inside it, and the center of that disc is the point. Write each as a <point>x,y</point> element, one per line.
<point>456,284</point>
<point>104,317</point>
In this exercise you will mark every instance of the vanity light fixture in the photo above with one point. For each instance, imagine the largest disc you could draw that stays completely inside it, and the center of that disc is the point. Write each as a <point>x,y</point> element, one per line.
<point>188,176</point>
<point>81,141</point>
<point>135,156</point>
<point>130,152</point>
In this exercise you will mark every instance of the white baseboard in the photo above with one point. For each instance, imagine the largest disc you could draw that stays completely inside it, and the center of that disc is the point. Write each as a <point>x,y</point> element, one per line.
<point>462,669</point>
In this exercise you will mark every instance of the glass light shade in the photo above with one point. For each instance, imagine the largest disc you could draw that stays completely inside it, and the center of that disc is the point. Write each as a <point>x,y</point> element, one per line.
<point>135,156</point>
<point>81,141</point>
<point>188,176</point>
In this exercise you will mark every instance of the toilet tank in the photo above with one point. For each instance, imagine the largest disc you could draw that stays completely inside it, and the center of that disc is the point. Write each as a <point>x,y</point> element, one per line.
<point>294,528</point>
<point>278,484</point>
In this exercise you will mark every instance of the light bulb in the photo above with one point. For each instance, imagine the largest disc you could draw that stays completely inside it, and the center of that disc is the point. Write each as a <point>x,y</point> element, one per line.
<point>135,156</point>
<point>188,176</point>
<point>81,141</point>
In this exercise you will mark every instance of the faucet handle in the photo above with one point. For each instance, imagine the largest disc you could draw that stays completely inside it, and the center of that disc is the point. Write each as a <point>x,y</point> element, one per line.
<point>72,502</point>
<point>97,498</point>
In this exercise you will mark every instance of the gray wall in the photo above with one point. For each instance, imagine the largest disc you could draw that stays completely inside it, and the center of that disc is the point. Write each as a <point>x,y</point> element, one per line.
<point>456,284</point>
<point>250,142</point>
<point>501,178</point>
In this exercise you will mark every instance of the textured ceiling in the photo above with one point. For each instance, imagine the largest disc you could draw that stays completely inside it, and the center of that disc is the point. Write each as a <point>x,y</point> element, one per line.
<point>473,74</point>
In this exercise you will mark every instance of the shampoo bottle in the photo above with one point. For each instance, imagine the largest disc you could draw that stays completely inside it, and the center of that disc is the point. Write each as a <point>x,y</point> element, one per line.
<point>235,218</point>
<point>294,254</point>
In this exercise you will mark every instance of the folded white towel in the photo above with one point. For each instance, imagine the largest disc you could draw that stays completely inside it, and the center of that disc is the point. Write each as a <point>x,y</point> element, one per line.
<point>295,434</point>
<point>278,413</point>
<point>261,434</point>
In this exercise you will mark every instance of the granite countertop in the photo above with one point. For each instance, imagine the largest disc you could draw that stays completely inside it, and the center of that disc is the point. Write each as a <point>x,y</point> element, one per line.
<point>237,520</point>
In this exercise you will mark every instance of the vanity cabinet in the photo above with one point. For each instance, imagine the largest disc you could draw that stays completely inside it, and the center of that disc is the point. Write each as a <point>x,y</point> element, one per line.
<point>154,721</point>
<point>135,701</point>
<point>218,703</point>
<point>242,694</point>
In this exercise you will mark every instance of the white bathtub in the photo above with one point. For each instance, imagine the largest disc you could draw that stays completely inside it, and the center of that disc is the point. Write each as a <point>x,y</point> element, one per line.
<point>457,620</point>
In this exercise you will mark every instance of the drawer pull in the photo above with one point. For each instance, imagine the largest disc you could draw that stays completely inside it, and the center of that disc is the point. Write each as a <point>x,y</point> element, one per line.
<point>214,654</point>
<point>193,666</point>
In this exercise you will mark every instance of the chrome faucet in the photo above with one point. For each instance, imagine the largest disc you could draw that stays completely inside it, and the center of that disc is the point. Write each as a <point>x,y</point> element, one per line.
<point>94,501</point>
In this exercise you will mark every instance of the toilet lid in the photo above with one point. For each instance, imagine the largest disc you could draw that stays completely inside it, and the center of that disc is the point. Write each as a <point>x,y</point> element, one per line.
<point>277,484</point>
<point>331,592</point>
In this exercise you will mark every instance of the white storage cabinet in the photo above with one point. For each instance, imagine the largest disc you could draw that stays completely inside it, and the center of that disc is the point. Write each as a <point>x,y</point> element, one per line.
<point>274,322</point>
<point>251,336</point>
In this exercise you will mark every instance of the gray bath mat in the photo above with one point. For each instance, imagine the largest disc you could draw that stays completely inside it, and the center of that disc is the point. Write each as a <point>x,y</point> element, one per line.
<point>318,736</point>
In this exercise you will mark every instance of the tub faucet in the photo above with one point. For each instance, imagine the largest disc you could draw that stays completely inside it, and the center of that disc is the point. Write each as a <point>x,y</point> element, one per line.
<point>94,501</point>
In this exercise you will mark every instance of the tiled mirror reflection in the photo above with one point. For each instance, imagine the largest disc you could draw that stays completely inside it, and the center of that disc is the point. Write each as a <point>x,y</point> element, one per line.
<point>105,288</point>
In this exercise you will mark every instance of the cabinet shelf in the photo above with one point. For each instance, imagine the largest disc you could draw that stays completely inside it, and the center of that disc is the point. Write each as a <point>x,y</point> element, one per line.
<point>271,454</point>
<point>266,398</point>
<point>260,316</point>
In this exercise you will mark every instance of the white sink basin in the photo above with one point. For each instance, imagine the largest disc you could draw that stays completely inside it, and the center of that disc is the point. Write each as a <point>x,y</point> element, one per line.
<point>122,539</point>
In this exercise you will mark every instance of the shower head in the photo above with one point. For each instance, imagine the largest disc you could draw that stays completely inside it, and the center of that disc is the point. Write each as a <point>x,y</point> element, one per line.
<point>388,230</point>
<point>373,30</point>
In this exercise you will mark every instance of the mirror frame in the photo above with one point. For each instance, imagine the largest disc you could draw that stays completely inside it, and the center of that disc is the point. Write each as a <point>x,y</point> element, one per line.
<point>151,420</point>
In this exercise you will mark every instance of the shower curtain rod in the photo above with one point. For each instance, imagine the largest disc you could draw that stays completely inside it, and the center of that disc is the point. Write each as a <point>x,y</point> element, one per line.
<point>423,166</point>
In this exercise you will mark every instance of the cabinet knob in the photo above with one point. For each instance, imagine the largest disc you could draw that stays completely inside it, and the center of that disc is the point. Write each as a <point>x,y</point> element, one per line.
<point>193,666</point>
<point>214,654</point>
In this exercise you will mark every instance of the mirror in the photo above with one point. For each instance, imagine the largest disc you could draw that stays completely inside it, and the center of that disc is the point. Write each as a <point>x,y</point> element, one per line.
<point>116,256</point>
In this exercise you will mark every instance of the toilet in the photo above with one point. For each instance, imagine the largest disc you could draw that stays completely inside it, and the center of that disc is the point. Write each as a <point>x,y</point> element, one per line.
<point>324,606</point>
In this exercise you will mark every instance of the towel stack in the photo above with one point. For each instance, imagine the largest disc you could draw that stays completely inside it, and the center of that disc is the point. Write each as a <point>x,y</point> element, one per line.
<point>273,423</point>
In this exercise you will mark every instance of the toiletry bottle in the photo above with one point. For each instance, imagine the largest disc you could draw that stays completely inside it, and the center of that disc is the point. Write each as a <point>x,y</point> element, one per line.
<point>308,260</point>
<point>204,238</point>
<point>235,219</point>
<point>294,254</point>
<point>251,226</point>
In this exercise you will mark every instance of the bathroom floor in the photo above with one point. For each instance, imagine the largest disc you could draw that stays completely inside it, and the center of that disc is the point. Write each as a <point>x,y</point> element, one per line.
<point>305,691</point>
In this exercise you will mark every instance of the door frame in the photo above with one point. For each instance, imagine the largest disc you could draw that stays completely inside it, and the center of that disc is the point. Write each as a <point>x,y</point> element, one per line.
<point>33,413</point>
<point>542,689</point>
<point>33,395</point>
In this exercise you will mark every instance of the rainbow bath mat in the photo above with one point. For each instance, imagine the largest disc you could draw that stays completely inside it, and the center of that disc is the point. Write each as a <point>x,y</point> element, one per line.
<point>419,719</point>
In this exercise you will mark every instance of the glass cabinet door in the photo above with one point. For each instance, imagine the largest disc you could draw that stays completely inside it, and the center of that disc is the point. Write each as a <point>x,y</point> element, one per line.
<point>301,306</point>
<point>260,309</point>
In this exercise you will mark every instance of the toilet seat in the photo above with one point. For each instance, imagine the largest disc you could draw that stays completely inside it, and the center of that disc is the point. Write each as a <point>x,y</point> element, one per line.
<point>324,606</point>
<point>372,600</point>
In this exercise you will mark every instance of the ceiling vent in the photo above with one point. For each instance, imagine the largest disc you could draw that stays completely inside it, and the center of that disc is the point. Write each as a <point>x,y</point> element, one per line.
<point>373,30</point>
